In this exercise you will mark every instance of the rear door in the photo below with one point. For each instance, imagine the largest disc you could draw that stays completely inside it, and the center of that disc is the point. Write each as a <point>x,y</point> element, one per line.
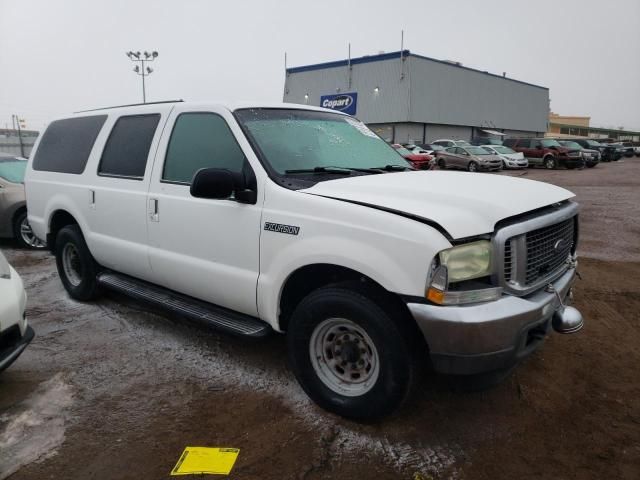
<point>205,248</point>
<point>536,152</point>
<point>116,198</point>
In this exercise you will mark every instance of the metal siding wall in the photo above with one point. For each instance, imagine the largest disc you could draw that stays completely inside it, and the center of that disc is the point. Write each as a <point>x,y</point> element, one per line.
<point>446,94</point>
<point>391,104</point>
<point>453,132</point>
<point>408,133</point>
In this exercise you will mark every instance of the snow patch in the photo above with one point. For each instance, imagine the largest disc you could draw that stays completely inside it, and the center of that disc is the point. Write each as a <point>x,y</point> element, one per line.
<point>38,429</point>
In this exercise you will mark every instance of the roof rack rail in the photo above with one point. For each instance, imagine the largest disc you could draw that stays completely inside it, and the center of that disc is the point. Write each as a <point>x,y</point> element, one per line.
<point>129,105</point>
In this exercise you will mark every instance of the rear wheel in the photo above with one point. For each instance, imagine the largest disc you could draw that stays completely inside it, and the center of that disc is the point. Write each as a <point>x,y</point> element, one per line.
<point>550,162</point>
<point>442,164</point>
<point>349,353</point>
<point>76,266</point>
<point>472,167</point>
<point>24,234</point>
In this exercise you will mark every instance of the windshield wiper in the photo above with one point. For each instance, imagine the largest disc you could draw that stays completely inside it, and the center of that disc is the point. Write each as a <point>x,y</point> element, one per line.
<point>390,168</point>
<point>336,170</point>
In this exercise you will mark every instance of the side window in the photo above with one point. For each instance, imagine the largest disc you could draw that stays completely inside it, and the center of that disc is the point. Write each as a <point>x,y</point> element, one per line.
<point>534,143</point>
<point>127,149</point>
<point>509,142</point>
<point>200,140</point>
<point>66,144</point>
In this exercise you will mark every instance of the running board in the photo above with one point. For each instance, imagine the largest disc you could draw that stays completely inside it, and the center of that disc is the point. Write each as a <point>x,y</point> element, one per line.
<point>217,317</point>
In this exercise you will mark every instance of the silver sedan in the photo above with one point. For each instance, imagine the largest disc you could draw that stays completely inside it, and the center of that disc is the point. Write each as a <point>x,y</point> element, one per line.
<point>469,158</point>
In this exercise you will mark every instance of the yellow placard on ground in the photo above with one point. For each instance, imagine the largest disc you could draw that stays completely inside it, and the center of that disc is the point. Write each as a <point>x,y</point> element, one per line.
<point>205,460</point>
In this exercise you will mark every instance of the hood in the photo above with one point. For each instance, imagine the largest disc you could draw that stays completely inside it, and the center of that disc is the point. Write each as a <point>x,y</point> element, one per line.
<point>464,204</point>
<point>513,156</point>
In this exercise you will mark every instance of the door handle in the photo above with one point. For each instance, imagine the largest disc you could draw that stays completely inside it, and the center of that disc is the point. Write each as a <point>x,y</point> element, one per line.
<point>154,215</point>
<point>92,199</point>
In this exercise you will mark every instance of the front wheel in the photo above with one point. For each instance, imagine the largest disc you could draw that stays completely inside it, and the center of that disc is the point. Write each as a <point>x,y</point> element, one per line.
<point>24,234</point>
<point>76,266</point>
<point>350,354</point>
<point>472,167</point>
<point>550,163</point>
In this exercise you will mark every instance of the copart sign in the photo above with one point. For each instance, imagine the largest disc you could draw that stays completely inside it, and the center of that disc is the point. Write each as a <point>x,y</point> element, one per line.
<point>343,102</point>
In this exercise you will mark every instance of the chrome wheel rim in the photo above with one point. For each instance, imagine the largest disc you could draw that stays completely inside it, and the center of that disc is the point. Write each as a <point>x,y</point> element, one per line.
<point>550,163</point>
<point>472,167</point>
<point>27,235</point>
<point>344,357</point>
<point>71,264</point>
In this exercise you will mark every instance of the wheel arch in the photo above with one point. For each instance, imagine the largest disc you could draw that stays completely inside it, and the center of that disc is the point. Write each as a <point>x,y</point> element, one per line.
<point>19,209</point>
<point>58,220</point>
<point>308,278</point>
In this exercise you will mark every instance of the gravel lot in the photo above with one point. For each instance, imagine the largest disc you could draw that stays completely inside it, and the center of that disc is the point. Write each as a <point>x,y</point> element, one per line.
<point>113,390</point>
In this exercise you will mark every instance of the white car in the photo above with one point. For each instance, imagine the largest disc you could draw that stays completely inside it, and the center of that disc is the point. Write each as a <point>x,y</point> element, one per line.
<point>301,220</point>
<point>510,158</point>
<point>15,333</point>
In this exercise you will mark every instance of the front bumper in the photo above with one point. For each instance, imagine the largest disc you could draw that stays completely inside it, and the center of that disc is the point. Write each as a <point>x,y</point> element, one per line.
<point>571,161</point>
<point>12,345</point>
<point>15,334</point>
<point>490,166</point>
<point>472,339</point>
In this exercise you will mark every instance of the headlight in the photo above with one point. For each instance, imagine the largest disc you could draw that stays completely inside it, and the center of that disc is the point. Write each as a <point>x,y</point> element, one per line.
<point>468,261</point>
<point>464,262</point>
<point>5,269</point>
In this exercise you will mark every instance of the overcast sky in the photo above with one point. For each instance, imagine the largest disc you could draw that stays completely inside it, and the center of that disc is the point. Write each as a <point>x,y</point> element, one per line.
<point>65,55</point>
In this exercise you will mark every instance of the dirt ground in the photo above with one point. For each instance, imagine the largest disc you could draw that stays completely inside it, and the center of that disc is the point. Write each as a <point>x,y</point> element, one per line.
<point>111,390</point>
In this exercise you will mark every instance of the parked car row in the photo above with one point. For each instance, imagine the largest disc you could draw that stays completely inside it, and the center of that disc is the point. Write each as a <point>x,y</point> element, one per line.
<point>482,153</point>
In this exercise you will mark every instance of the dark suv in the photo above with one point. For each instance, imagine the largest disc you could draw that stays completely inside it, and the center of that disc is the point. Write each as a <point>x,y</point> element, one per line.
<point>607,152</point>
<point>546,152</point>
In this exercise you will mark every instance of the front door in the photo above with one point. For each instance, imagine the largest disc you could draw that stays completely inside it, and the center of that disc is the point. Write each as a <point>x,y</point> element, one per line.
<point>205,248</point>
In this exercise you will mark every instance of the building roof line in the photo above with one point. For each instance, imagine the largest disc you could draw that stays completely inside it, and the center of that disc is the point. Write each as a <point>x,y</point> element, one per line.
<point>396,55</point>
<point>591,127</point>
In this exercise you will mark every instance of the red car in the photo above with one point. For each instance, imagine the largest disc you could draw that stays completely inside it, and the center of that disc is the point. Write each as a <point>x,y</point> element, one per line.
<point>420,161</point>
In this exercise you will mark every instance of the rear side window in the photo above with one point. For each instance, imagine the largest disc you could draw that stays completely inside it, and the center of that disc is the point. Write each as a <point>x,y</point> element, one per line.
<point>200,140</point>
<point>127,149</point>
<point>66,144</point>
<point>509,142</point>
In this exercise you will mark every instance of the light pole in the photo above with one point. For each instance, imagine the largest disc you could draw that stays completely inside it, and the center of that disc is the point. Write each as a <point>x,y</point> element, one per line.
<point>140,69</point>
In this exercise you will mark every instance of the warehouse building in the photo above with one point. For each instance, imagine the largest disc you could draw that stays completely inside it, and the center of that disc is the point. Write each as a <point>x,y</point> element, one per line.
<point>408,98</point>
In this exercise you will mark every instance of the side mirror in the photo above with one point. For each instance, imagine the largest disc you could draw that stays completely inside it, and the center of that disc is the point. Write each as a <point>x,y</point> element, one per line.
<point>212,183</point>
<point>220,183</point>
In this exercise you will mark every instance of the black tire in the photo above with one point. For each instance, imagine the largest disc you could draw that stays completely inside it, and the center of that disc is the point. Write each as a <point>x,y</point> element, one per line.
<point>442,164</point>
<point>472,166</point>
<point>591,165</point>
<point>85,286</point>
<point>23,234</point>
<point>394,348</point>
<point>549,162</point>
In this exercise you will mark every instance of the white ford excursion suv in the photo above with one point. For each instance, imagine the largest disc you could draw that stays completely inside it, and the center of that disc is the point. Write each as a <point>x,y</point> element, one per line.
<point>301,220</point>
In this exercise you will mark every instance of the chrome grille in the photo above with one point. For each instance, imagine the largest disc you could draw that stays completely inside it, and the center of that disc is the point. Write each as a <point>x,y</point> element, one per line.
<point>525,248</point>
<point>548,249</point>
<point>508,267</point>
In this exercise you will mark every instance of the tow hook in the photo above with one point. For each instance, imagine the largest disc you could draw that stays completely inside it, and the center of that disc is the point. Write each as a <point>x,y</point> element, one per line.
<point>566,319</point>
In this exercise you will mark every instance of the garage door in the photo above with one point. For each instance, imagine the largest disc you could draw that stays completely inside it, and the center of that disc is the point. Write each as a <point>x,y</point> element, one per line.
<point>435,132</point>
